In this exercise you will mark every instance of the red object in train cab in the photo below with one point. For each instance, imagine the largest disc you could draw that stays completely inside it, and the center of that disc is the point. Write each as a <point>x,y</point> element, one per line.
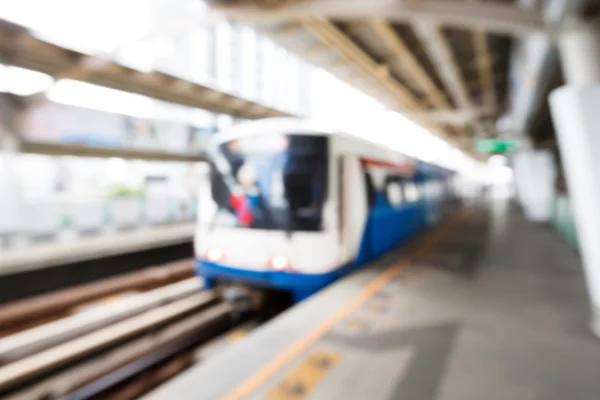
<point>242,208</point>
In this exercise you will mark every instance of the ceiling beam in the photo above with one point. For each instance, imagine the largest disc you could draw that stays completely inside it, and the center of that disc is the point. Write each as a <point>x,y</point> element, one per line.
<point>456,117</point>
<point>402,58</point>
<point>319,54</point>
<point>392,93</point>
<point>361,71</point>
<point>331,36</point>
<point>62,149</point>
<point>20,48</point>
<point>358,69</point>
<point>485,70</point>
<point>494,18</point>
<point>440,53</point>
<point>500,19</point>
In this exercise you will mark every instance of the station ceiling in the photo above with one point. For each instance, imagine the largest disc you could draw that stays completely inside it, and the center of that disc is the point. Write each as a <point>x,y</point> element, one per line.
<point>20,47</point>
<point>443,63</point>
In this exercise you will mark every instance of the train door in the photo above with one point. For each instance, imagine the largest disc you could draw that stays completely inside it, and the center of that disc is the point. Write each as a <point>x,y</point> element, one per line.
<point>353,206</point>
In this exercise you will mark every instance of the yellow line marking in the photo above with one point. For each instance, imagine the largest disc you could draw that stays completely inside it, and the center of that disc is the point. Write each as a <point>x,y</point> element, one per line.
<point>237,334</point>
<point>305,377</point>
<point>253,382</point>
<point>356,324</point>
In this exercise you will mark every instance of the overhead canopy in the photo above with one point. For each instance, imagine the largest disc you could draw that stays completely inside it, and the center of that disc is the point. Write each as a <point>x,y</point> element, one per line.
<point>443,63</point>
<point>21,48</point>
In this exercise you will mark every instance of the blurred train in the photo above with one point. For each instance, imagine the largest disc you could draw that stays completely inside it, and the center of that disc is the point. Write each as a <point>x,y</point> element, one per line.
<point>294,206</point>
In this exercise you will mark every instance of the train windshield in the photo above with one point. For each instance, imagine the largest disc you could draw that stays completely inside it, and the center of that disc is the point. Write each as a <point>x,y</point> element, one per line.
<point>274,182</point>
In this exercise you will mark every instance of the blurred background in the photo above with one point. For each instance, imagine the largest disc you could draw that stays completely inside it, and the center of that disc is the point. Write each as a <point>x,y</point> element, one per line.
<point>115,275</point>
<point>58,197</point>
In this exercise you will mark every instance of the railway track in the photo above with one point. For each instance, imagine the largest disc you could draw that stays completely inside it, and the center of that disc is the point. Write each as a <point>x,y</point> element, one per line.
<point>151,333</point>
<point>27,313</point>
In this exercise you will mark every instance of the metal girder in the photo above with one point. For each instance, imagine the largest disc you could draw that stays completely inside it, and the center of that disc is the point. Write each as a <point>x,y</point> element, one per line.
<point>402,57</point>
<point>18,47</point>
<point>483,63</point>
<point>457,117</point>
<point>358,69</point>
<point>494,18</point>
<point>439,51</point>
<point>485,70</point>
<point>389,91</point>
<point>317,51</point>
<point>62,149</point>
<point>334,38</point>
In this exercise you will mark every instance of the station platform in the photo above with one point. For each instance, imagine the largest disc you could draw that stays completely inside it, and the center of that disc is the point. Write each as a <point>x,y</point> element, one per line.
<point>38,256</point>
<point>488,306</point>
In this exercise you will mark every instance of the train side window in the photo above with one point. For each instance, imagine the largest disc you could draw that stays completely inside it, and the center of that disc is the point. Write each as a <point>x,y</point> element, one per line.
<point>433,192</point>
<point>394,193</point>
<point>422,189</point>
<point>411,192</point>
<point>425,190</point>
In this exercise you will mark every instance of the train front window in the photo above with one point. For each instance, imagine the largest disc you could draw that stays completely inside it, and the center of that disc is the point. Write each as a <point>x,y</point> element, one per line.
<point>271,182</point>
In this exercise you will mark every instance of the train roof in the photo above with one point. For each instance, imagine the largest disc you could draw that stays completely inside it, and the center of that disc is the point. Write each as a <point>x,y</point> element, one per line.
<point>283,125</point>
<point>276,125</point>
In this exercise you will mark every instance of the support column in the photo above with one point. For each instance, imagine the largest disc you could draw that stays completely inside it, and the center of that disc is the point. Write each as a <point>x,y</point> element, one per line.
<point>580,53</point>
<point>535,176</point>
<point>577,121</point>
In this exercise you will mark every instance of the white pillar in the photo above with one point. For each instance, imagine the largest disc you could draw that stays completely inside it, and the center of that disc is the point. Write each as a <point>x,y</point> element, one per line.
<point>580,52</point>
<point>535,176</point>
<point>577,122</point>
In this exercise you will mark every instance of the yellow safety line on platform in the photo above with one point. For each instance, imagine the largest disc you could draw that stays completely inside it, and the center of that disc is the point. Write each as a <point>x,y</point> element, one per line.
<point>305,377</point>
<point>237,334</point>
<point>253,382</point>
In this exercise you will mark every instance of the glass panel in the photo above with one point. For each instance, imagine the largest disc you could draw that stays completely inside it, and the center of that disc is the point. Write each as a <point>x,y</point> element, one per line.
<point>410,191</point>
<point>271,182</point>
<point>394,193</point>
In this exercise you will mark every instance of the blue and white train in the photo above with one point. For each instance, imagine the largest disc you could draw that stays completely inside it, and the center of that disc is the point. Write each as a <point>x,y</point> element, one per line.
<point>295,206</point>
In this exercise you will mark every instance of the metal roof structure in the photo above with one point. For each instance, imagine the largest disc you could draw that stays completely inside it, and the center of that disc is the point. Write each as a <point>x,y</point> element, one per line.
<point>430,60</point>
<point>21,48</point>
<point>443,63</point>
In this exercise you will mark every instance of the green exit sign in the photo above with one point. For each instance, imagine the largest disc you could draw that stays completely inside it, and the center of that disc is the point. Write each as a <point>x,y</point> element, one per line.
<point>496,146</point>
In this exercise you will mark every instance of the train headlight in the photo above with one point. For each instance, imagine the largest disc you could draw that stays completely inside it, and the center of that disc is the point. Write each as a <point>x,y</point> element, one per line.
<point>279,263</point>
<point>215,254</point>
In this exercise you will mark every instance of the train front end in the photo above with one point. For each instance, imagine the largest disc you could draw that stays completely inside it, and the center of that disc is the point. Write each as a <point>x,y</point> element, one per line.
<point>268,218</point>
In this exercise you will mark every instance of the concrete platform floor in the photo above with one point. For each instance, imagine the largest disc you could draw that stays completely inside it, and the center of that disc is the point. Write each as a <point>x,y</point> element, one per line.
<point>522,318</point>
<point>494,311</point>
